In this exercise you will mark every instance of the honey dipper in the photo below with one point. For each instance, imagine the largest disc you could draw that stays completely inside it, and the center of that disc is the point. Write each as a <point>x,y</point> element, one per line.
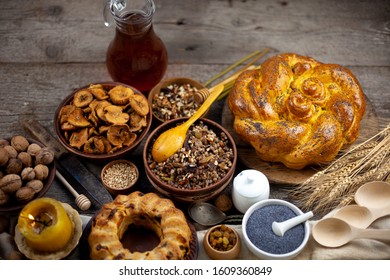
<point>81,200</point>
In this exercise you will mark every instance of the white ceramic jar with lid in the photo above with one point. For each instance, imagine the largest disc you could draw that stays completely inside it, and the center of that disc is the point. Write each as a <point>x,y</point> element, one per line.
<point>249,187</point>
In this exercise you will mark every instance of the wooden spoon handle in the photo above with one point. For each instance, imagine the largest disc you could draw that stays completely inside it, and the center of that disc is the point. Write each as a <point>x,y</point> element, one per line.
<point>380,212</point>
<point>233,77</point>
<point>215,92</point>
<point>201,95</point>
<point>377,234</point>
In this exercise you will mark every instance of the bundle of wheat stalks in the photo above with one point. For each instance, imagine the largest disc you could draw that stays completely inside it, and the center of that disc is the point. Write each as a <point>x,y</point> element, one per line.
<point>335,186</point>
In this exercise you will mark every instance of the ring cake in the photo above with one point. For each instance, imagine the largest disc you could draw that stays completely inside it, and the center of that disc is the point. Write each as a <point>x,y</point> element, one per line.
<point>140,210</point>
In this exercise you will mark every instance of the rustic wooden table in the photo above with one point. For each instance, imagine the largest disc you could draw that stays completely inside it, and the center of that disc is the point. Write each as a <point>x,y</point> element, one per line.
<point>49,48</point>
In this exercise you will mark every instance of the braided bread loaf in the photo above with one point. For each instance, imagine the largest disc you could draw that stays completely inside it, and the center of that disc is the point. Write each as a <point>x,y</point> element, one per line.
<point>143,210</point>
<point>296,110</point>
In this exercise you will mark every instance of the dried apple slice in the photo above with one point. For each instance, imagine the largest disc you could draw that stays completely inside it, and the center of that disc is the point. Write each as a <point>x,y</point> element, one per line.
<point>103,129</point>
<point>64,113</point>
<point>95,145</point>
<point>99,108</point>
<point>137,122</point>
<point>78,138</point>
<point>115,115</point>
<point>107,145</point>
<point>120,135</point>
<point>98,92</point>
<point>87,110</point>
<point>82,98</point>
<point>92,131</point>
<point>120,95</point>
<point>131,139</point>
<point>94,104</point>
<point>93,118</point>
<point>66,126</point>
<point>77,118</point>
<point>140,104</point>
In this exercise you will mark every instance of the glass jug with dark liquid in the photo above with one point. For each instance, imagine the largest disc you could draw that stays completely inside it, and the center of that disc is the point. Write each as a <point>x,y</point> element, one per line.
<point>136,56</point>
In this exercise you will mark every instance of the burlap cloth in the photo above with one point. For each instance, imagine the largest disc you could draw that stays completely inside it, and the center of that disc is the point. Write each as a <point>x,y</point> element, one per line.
<point>363,249</point>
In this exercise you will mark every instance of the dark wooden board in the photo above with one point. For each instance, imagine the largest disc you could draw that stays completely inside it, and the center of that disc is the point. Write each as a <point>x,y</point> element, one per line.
<point>278,173</point>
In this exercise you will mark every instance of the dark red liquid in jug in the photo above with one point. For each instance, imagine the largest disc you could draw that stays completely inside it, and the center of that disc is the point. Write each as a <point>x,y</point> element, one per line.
<point>136,56</point>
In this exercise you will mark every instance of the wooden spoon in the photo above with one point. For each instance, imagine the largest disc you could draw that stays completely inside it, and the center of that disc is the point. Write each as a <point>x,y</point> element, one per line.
<point>375,194</point>
<point>173,139</point>
<point>373,201</point>
<point>333,232</point>
<point>360,216</point>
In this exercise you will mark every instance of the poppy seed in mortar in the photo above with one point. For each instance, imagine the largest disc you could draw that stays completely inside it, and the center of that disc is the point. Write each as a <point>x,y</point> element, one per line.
<point>259,230</point>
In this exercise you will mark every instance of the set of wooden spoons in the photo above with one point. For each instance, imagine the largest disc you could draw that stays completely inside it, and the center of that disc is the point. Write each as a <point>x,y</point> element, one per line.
<point>352,221</point>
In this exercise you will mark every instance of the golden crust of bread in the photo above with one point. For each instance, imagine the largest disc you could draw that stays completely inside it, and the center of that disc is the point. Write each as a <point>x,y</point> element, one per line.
<point>296,110</point>
<point>142,210</point>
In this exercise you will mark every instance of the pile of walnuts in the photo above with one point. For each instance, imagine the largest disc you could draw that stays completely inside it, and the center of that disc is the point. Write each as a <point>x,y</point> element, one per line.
<point>24,168</point>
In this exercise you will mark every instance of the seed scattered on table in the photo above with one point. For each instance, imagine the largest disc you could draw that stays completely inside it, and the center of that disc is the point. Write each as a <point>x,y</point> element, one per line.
<point>119,176</point>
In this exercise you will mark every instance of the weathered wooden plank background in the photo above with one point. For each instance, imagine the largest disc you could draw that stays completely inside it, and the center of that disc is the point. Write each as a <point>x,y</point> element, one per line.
<point>48,48</point>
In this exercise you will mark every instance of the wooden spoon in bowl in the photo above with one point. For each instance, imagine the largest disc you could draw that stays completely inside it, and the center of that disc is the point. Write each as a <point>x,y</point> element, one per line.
<point>173,139</point>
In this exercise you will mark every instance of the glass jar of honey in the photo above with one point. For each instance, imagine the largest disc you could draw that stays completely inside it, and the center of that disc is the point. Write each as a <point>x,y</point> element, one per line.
<point>136,56</point>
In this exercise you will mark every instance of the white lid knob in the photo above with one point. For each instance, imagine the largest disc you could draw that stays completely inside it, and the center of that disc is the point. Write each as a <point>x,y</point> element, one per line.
<point>251,183</point>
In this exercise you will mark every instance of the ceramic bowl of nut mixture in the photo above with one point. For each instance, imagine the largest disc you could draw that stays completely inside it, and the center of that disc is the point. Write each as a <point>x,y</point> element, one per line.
<point>119,176</point>
<point>174,98</point>
<point>27,170</point>
<point>103,121</point>
<point>259,237</point>
<point>200,170</point>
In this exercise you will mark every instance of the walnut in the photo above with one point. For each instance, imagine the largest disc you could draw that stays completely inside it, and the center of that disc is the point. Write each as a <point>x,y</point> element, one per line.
<point>3,157</point>
<point>4,198</point>
<point>14,166</point>
<point>33,149</point>
<point>25,158</point>
<point>44,156</point>
<point>223,202</point>
<point>24,194</point>
<point>28,174</point>
<point>4,142</point>
<point>12,153</point>
<point>10,183</point>
<point>41,172</point>
<point>36,185</point>
<point>20,143</point>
